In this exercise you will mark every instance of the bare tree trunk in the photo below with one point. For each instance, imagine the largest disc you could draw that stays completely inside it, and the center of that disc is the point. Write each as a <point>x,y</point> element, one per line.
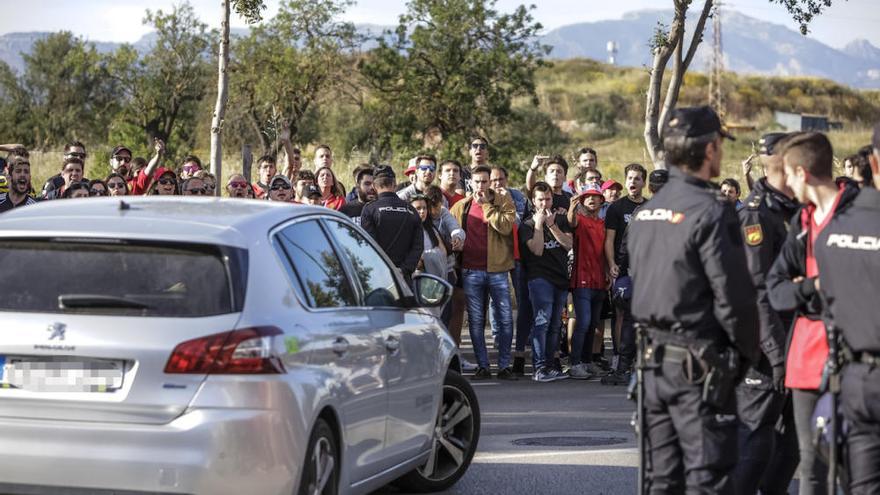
<point>655,119</point>
<point>222,95</point>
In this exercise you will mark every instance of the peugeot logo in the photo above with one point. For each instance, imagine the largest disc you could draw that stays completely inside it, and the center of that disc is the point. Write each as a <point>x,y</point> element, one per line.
<point>57,330</point>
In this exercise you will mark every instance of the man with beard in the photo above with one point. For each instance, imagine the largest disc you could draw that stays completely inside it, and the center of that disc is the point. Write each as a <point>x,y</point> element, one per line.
<point>19,185</point>
<point>365,191</point>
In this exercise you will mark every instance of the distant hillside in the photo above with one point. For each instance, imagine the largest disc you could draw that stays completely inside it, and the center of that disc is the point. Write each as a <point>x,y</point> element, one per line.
<point>751,46</point>
<point>595,99</point>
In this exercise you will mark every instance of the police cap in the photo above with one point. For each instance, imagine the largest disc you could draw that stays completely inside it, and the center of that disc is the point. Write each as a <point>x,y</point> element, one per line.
<point>658,177</point>
<point>383,171</point>
<point>694,122</point>
<point>767,143</point>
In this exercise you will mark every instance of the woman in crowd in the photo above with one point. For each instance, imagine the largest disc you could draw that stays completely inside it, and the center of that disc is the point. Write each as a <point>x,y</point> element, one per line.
<point>165,185</point>
<point>588,278</point>
<point>97,188</point>
<point>116,185</point>
<point>434,257</point>
<point>329,186</point>
<point>209,180</point>
<point>76,190</point>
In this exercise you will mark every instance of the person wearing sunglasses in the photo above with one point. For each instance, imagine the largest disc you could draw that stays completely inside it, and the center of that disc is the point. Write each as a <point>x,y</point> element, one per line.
<point>191,164</point>
<point>116,185</point>
<point>478,150</point>
<point>97,188</point>
<point>194,186</point>
<point>426,171</point>
<point>166,184</point>
<point>237,186</point>
<point>120,161</point>
<point>280,189</point>
<point>209,180</point>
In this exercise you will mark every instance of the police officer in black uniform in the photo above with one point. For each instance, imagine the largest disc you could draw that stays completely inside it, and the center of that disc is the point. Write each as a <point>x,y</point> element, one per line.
<point>394,223</point>
<point>692,290</point>
<point>848,254</point>
<point>761,394</point>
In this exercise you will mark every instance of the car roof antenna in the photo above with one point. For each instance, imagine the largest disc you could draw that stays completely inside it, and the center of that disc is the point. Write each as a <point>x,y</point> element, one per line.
<point>123,205</point>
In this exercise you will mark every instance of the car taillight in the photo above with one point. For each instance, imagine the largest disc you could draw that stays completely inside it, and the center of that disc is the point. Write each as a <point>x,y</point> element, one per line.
<point>245,351</point>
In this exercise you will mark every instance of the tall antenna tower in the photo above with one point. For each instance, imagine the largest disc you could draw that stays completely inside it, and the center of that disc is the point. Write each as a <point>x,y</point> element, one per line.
<point>716,95</point>
<point>612,48</point>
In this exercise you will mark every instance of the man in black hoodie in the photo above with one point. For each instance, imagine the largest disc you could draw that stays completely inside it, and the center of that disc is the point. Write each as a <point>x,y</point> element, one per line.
<point>808,162</point>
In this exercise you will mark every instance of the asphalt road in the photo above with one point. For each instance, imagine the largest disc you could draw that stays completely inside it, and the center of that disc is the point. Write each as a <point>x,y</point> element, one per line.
<point>565,437</point>
<point>569,436</point>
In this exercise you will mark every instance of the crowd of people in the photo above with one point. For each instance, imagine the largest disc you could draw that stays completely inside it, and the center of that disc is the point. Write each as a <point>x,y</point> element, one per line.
<point>559,251</point>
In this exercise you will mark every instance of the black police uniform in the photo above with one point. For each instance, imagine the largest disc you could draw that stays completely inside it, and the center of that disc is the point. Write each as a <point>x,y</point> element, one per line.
<point>848,254</point>
<point>396,227</point>
<point>690,286</point>
<point>760,395</point>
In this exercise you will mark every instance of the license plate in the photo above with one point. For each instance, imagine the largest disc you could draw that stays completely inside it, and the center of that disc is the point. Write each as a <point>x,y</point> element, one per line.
<point>61,374</point>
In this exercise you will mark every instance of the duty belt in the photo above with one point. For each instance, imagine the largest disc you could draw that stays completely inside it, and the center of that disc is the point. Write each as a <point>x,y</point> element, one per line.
<point>868,358</point>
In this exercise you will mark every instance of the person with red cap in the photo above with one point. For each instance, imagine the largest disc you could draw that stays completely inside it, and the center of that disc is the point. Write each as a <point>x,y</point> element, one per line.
<point>589,281</point>
<point>611,192</point>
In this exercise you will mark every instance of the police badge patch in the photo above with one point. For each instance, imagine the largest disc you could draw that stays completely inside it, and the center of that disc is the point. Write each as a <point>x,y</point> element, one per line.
<point>754,234</point>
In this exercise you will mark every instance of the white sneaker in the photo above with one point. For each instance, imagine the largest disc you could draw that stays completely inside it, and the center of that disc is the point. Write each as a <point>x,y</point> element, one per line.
<point>467,366</point>
<point>579,372</point>
<point>554,374</point>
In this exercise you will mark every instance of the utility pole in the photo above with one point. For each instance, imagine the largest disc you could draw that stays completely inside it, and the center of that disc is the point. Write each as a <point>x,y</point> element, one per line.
<point>716,94</point>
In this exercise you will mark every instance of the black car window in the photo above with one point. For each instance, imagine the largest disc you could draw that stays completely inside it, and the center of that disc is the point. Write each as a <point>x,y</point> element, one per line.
<point>318,270</point>
<point>373,274</point>
<point>115,276</point>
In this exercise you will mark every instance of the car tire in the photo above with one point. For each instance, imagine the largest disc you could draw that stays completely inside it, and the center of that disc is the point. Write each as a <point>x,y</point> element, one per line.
<point>321,466</point>
<point>456,433</point>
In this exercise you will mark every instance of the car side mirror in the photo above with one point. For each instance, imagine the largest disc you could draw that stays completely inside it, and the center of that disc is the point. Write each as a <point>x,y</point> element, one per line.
<point>431,291</point>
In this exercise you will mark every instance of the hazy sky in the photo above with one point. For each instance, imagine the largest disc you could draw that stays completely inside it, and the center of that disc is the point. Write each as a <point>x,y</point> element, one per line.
<point>120,20</point>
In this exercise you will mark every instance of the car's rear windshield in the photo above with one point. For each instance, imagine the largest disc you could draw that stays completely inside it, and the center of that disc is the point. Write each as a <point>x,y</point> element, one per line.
<point>115,277</point>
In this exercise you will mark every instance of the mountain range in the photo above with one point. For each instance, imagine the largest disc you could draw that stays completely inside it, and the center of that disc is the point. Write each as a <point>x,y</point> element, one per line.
<point>750,46</point>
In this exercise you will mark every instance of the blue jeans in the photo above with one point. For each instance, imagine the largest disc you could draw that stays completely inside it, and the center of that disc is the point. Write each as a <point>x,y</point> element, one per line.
<point>587,310</point>
<point>479,284</point>
<point>547,304</point>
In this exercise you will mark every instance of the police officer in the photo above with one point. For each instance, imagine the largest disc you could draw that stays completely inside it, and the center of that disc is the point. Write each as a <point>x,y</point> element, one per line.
<point>394,223</point>
<point>692,290</point>
<point>761,395</point>
<point>848,254</point>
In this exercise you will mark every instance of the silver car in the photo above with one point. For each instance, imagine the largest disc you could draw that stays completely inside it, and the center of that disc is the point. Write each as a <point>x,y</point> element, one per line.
<point>196,345</point>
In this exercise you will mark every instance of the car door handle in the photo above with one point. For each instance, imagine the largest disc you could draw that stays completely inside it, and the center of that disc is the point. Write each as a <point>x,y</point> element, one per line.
<point>392,344</point>
<point>340,346</point>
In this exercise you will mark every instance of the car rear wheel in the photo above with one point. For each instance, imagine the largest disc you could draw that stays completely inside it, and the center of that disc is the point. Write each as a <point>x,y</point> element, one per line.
<point>321,470</point>
<point>456,433</point>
